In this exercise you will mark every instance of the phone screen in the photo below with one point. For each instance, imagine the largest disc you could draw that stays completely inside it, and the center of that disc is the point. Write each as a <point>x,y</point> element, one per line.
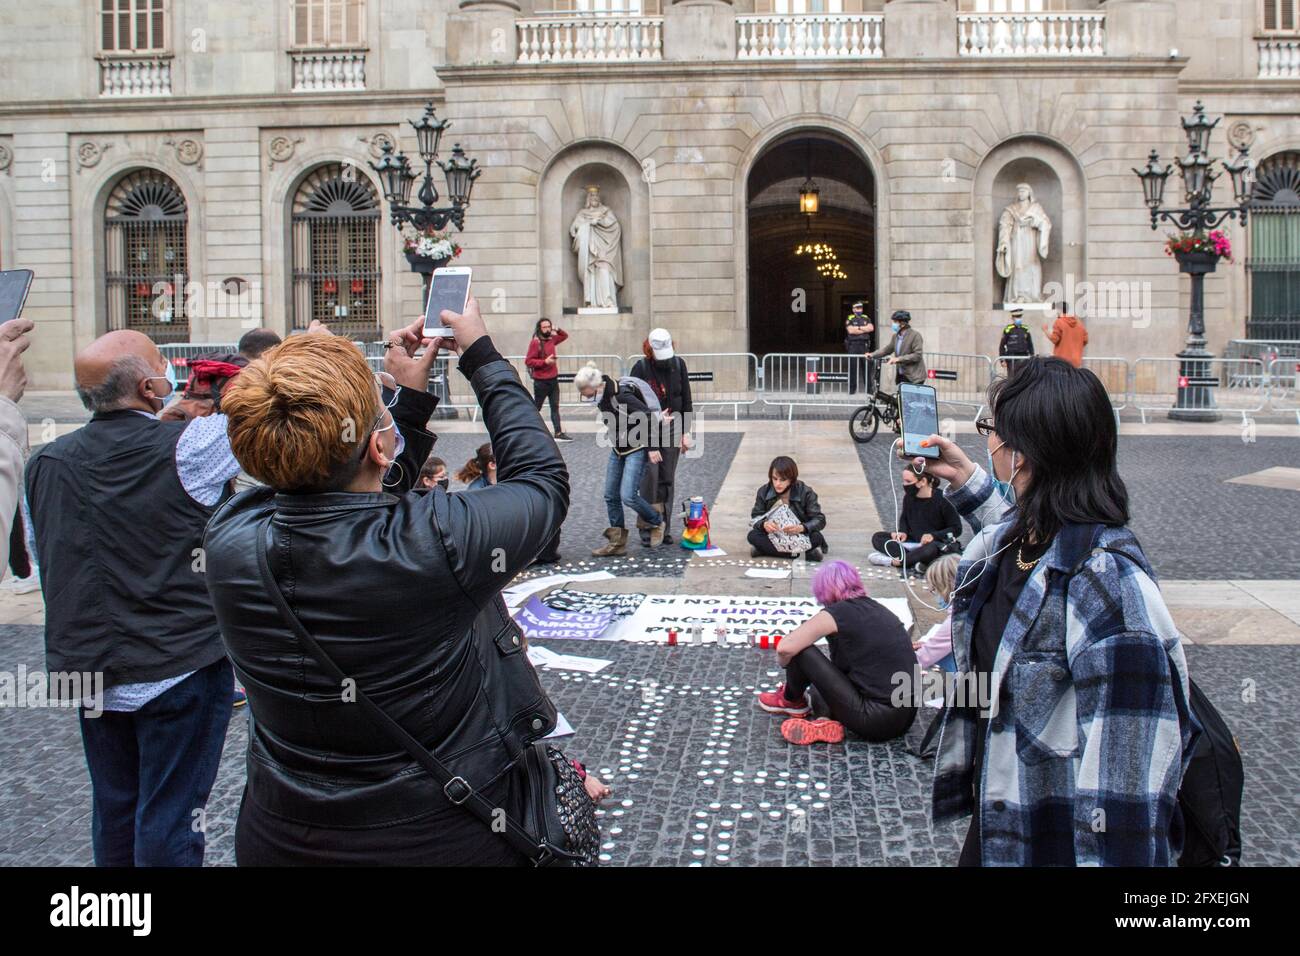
<point>13,292</point>
<point>449,290</point>
<point>920,419</point>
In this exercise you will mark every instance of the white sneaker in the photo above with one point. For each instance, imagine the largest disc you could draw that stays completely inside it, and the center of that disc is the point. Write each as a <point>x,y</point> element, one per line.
<point>22,585</point>
<point>880,560</point>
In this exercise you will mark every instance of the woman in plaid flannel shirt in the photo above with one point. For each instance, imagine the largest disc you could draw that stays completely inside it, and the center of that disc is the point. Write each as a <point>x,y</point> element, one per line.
<point>1073,748</point>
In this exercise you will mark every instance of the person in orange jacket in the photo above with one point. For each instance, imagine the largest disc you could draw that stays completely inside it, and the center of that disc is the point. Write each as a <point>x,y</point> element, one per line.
<point>1069,336</point>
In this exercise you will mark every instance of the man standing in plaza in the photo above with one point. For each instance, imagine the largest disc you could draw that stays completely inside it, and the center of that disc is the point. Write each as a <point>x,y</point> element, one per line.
<point>542,366</point>
<point>905,350</point>
<point>857,342</point>
<point>1016,342</point>
<point>1069,336</point>
<point>119,508</point>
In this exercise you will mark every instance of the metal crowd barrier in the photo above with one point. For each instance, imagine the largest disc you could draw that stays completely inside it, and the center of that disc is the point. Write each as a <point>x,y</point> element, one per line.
<point>959,378</point>
<point>792,379</point>
<point>180,354</point>
<point>718,378</point>
<point>1229,386</point>
<point>1112,372</point>
<point>1284,385</point>
<point>567,366</point>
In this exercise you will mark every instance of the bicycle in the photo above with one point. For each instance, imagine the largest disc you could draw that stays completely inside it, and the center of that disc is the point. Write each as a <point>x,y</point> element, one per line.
<point>866,419</point>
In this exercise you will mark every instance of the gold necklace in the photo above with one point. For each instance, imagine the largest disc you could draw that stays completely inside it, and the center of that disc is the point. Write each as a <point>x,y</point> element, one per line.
<point>1021,563</point>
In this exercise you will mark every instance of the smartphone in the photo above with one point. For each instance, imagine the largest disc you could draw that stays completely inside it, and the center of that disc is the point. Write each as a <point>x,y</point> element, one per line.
<point>448,290</point>
<point>920,419</point>
<point>13,292</point>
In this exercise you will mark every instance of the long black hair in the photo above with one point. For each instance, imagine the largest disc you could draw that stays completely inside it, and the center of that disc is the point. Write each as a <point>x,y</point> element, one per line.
<point>537,327</point>
<point>1059,419</point>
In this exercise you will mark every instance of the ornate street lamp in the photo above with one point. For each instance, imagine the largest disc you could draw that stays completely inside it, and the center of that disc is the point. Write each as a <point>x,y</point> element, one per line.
<point>397,180</point>
<point>1195,382</point>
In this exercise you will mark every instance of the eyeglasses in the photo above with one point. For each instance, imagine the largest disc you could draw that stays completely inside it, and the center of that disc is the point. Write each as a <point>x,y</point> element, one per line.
<point>985,427</point>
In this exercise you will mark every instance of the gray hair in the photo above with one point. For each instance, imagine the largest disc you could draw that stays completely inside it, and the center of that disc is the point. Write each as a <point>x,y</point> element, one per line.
<point>588,376</point>
<point>118,386</point>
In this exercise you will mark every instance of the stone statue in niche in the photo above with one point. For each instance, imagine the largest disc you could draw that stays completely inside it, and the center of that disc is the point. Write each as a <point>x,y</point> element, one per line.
<point>1024,232</point>
<point>597,239</point>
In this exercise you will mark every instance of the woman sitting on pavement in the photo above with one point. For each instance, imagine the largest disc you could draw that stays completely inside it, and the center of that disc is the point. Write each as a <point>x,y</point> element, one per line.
<point>784,487</point>
<point>631,430</point>
<point>481,470</point>
<point>935,649</point>
<point>854,686</point>
<point>928,526</point>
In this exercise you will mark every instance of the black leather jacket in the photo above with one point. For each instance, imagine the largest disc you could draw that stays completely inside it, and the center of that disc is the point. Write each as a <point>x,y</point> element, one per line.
<point>403,591</point>
<point>803,502</point>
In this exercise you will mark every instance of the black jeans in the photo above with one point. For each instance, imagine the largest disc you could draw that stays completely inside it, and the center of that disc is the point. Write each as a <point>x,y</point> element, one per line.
<point>760,539</point>
<point>152,768</point>
<point>544,388</point>
<point>658,483</point>
<point>834,695</point>
<point>926,553</point>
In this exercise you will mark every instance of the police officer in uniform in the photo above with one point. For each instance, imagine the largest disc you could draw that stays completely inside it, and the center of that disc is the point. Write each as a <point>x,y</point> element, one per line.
<point>857,342</point>
<point>1016,340</point>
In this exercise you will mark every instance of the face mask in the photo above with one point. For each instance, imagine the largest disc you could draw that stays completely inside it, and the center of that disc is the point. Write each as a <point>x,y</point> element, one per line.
<point>895,326</point>
<point>1004,488</point>
<point>1018,321</point>
<point>588,399</point>
<point>942,604</point>
<point>443,483</point>
<point>910,489</point>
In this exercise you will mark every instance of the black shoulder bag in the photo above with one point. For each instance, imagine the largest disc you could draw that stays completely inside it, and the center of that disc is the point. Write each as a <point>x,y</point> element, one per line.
<point>1211,789</point>
<point>562,815</point>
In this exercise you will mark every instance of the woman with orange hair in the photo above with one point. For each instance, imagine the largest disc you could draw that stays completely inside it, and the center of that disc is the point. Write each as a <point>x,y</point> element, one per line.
<point>334,588</point>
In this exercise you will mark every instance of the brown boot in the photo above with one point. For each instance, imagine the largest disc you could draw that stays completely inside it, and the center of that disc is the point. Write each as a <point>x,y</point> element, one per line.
<point>657,531</point>
<point>617,544</point>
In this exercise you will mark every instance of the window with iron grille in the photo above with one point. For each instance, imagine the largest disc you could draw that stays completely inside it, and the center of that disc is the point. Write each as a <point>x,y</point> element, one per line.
<point>1274,262</point>
<point>335,248</point>
<point>1279,16</point>
<point>324,24</point>
<point>146,262</point>
<point>133,26</point>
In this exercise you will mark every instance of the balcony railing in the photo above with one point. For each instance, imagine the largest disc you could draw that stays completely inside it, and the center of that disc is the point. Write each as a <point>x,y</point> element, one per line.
<point>328,70</point>
<point>810,36</point>
<point>1031,34</point>
<point>590,38</point>
<point>135,75</point>
<point>1279,59</point>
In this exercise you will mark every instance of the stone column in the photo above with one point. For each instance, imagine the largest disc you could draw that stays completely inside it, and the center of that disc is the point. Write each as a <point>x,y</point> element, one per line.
<point>483,32</point>
<point>1140,27</point>
<point>700,30</point>
<point>920,29</point>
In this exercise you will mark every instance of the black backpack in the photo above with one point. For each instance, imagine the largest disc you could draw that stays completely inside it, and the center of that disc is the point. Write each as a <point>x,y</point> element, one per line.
<point>1210,794</point>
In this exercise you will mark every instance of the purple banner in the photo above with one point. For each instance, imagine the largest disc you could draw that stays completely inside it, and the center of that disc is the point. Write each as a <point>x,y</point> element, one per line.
<point>539,621</point>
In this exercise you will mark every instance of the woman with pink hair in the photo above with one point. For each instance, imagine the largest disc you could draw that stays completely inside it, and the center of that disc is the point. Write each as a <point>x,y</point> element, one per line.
<point>853,687</point>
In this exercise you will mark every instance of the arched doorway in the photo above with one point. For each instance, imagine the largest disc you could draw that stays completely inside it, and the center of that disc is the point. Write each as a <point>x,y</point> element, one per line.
<point>335,252</point>
<point>806,270</point>
<point>146,258</point>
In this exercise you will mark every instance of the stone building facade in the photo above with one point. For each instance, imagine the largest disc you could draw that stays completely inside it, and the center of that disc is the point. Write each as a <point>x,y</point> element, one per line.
<point>224,147</point>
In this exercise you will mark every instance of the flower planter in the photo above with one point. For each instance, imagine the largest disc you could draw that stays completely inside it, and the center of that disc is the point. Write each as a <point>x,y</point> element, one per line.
<point>423,264</point>
<point>1197,263</point>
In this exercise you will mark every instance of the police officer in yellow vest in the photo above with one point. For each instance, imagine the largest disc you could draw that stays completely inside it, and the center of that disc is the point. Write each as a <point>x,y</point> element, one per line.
<point>857,342</point>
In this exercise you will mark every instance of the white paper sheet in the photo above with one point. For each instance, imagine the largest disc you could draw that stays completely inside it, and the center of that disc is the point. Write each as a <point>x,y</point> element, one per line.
<point>710,553</point>
<point>562,728</point>
<point>570,662</point>
<point>767,572</point>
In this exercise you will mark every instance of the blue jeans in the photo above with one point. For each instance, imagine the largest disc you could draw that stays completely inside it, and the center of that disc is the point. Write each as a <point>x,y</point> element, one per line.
<point>623,487</point>
<point>151,769</point>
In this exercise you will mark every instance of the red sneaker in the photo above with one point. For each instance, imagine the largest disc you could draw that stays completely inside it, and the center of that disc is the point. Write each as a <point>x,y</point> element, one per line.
<point>822,730</point>
<point>774,702</point>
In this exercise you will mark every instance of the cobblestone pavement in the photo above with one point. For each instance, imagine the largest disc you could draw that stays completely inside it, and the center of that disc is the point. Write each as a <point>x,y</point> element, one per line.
<point>1191,522</point>
<point>700,775</point>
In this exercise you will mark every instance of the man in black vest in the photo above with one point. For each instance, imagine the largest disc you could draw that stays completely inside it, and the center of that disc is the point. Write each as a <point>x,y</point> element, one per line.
<point>119,508</point>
